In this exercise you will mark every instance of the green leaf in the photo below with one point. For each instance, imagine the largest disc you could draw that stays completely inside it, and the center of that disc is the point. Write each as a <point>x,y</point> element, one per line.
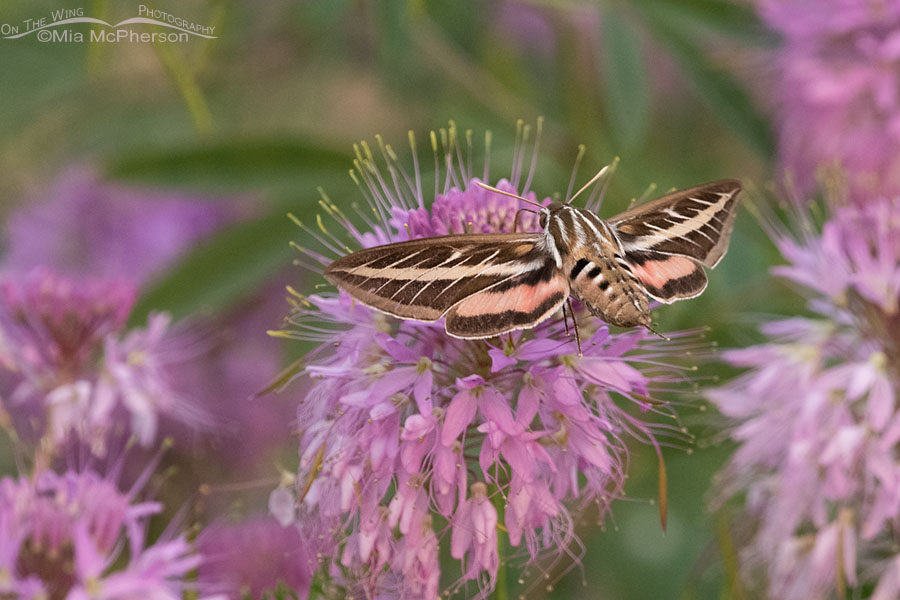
<point>285,377</point>
<point>230,164</point>
<point>625,83</point>
<point>321,15</point>
<point>736,20</point>
<point>718,88</point>
<point>221,271</point>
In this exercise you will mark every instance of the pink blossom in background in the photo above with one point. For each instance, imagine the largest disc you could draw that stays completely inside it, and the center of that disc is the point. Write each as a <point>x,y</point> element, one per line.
<point>839,91</point>
<point>73,375</point>
<point>253,557</point>
<point>526,26</point>
<point>405,427</point>
<point>816,416</point>
<point>75,536</point>
<point>68,360</point>
<point>52,325</point>
<point>85,228</point>
<point>236,359</point>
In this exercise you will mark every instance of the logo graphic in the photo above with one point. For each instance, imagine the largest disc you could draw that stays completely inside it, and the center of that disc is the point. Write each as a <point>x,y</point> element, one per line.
<point>55,28</point>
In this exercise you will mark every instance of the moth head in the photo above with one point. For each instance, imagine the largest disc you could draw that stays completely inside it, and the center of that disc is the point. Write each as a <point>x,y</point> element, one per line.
<point>549,210</point>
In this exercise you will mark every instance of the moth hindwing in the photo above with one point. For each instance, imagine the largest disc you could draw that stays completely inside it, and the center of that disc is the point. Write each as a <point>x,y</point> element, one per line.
<point>493,283</point>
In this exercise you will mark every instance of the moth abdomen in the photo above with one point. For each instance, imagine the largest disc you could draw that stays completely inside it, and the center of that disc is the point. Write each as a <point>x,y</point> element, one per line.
<point>627,307</point>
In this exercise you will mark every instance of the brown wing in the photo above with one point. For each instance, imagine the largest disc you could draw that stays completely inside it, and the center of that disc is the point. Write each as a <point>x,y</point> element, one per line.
<point>518,303</point>
<point>422,279</point>
<point>668,277</point>
<point>695,223</point>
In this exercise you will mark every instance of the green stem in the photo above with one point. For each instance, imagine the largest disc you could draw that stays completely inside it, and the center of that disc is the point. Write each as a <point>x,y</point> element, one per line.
<point>730,558</point>
<point>501,592</point>
<point>99,10</point>
<point>184,79</point>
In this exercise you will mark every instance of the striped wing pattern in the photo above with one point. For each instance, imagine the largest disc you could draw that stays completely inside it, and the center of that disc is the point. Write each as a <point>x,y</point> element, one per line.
<point>668,277</point>
<point>493,283</point>
<point>667,240</point>
<point>517,303</point>
<point>423,279</point>
<point>695,222</point>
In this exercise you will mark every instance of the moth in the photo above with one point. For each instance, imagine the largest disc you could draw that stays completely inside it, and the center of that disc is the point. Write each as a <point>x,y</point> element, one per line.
<point>488,284</point>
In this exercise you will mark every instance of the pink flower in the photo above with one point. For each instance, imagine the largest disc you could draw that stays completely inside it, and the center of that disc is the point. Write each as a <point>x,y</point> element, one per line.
<point>64,535</point>
<point>71,363</point>
<point>92,233</point>
<point>474,538</point>
<point>405,427</point>
<point>416,558</point>
<point>254,556</point>
<point>838,74</point>
<point>85,227</point>
<point>816,416</point>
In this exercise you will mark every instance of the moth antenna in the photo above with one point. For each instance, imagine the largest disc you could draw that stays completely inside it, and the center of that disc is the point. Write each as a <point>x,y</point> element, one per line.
<point>491,188</point>
<point>593,180</point>
<point>516,218</point>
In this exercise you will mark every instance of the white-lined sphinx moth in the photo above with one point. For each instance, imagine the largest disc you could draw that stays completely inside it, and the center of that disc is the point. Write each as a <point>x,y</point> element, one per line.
<point>488,284</point>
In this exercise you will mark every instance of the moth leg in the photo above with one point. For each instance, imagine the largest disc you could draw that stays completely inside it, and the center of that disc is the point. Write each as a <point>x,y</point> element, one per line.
<point>566,318</point>
<point>574,325</point>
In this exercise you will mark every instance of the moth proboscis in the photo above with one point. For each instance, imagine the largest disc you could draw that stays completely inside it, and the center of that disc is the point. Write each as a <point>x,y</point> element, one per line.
<point>488,284</point>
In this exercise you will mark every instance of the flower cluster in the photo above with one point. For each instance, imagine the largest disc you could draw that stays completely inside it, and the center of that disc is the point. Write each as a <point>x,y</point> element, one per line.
<point>816,414</point>
<point>75,377</point>
<point>61,534</point>
<point>71,364</point>
<point>408,434</point>
<point>104,242</point>
<point>839,69</point>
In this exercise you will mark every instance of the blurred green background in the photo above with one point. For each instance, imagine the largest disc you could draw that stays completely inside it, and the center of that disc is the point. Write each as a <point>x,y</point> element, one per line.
<point>270,109</point>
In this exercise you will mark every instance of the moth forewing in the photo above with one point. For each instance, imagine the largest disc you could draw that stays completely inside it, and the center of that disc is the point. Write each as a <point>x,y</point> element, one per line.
<point>423,279</point>
<point>520,302</point>
<point>696,222</point>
